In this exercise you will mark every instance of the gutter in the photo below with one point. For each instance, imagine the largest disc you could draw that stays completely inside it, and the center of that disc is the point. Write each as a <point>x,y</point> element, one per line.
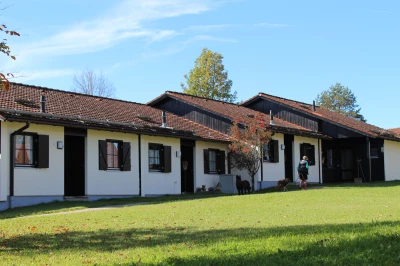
<point>12,158</point>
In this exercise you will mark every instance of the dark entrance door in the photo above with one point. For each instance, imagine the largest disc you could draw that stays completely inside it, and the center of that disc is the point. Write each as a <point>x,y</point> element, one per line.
<point>74,165</point>
<point>187,176</point>
<point>288,141</point>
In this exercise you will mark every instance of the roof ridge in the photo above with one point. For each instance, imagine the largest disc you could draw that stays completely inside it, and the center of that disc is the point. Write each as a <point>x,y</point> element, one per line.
<point>73,92</point>
<point>263,93</point>
<point>200,97</point>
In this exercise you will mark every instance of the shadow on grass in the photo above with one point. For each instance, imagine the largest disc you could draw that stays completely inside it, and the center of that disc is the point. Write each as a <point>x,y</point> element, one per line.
<point>295,187</point>
<point>320,244</point>
<point>59,206</point>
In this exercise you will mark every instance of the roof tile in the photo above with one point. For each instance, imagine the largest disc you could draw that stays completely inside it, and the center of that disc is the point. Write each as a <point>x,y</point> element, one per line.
<point>27,98</point>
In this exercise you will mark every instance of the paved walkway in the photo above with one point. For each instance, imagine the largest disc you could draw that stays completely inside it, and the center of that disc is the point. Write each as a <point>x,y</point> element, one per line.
<point>110,207</point>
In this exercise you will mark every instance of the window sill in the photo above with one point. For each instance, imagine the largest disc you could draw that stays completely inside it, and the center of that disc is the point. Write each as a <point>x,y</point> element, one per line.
<point>24,166</point>
<point>213,173</point>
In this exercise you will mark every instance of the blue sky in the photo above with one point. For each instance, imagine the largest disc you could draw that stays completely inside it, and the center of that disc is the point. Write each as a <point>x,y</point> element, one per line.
<point>292,49</point>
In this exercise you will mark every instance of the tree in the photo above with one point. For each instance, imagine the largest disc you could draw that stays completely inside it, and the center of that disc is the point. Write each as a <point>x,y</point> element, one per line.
<point>88,82</point>
<point>209,79</point>
<point>340,99</point>
<point>246,145</point>
<point>5,49</point>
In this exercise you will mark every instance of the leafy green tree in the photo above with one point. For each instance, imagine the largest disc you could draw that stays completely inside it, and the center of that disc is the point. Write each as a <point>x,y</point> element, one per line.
<point>209,79</point>
<point>5,49</point>
<point>340,99</point>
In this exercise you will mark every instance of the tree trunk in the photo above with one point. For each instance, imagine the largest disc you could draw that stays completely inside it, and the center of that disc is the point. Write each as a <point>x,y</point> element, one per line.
<point>252,183</point>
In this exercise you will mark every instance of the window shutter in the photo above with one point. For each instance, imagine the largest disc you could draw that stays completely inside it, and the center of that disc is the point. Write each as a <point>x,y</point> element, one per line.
<point>302,151</point>
<point>311,158</point>
<point>221,162</point>
<point>167,159</point>
<point>42,151</point>
<point>102,155</point>
<point>229,162</point>
<point>126,156</point>
<point>206,162</point>
<point>275,147</point>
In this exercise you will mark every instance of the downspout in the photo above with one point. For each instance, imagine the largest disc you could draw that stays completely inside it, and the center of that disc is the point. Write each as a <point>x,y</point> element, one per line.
<point>369,158</point>
<point>12,158</point>
<point>319,159</point>
<point>140,165</point>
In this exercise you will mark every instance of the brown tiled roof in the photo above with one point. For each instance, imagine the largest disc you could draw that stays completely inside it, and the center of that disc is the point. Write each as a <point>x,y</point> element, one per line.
<point>395,130</point>
<point>235,112</point>
<point>93,111</point>
<point>325,114</point>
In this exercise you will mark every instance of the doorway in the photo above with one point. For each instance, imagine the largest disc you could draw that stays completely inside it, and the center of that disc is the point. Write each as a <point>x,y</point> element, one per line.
<point>288,142</point>
<point>187,167</point>
<point>74,165</point>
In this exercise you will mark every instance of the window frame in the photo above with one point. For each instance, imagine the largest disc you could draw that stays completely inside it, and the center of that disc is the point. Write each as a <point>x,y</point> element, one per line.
<point>311,159</point>
<point>33,148</point>
<point>160,148</point>
<point>216,151</point>
<point>220,161</point>
<point>119,153</point>
<point>375,154</point>
<point>273,149</point>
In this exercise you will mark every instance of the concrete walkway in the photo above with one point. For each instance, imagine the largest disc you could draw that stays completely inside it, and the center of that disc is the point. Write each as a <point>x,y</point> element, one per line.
<point>110,207</point>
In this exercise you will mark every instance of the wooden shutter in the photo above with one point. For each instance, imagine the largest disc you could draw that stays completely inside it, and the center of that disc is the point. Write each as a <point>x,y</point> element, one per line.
<point>275,150</point>
<point>167,159</point>
<point>311,157</point>
<point>102,155</point>
<point>229,162</point>
<point>42,151</point>
<point>206,162</point>
<point>221,162</point>
<point>302,151</point>
<point>126,156</point>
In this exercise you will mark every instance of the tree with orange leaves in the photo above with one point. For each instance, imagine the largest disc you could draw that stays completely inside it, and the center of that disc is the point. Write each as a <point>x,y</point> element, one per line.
<point>5,49</point>
<point>246,145</point>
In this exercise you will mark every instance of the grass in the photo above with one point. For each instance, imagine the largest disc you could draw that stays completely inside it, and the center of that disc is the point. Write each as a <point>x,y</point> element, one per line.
<point>338,225</point>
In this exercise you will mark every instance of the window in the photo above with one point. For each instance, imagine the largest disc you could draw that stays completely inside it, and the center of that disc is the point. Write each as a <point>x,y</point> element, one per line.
<point>155,151</point>
<point>114,155</point>
<point>24,150</point>
<point>271,151</point>
<point>329,159</point>
<point>159,158</point>
<point>374,153</point>
<point>214,161</point>
<point>31,149</point>
<point>308,150</point>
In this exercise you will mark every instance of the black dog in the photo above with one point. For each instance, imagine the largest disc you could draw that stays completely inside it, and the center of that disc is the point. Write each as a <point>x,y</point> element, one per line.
<point>242,186</point>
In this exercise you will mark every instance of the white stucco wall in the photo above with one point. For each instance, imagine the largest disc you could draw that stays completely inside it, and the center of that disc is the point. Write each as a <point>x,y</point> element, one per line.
<point>158,183</point>
<point>275,171</point>
<point>392,159</point>
<point>33,181</point>
<point>314,170</point>
<point>110,182</point>
<point>210,180</point>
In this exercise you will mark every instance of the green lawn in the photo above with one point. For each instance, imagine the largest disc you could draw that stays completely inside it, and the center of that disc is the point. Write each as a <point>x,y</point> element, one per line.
<point>339,225</point>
